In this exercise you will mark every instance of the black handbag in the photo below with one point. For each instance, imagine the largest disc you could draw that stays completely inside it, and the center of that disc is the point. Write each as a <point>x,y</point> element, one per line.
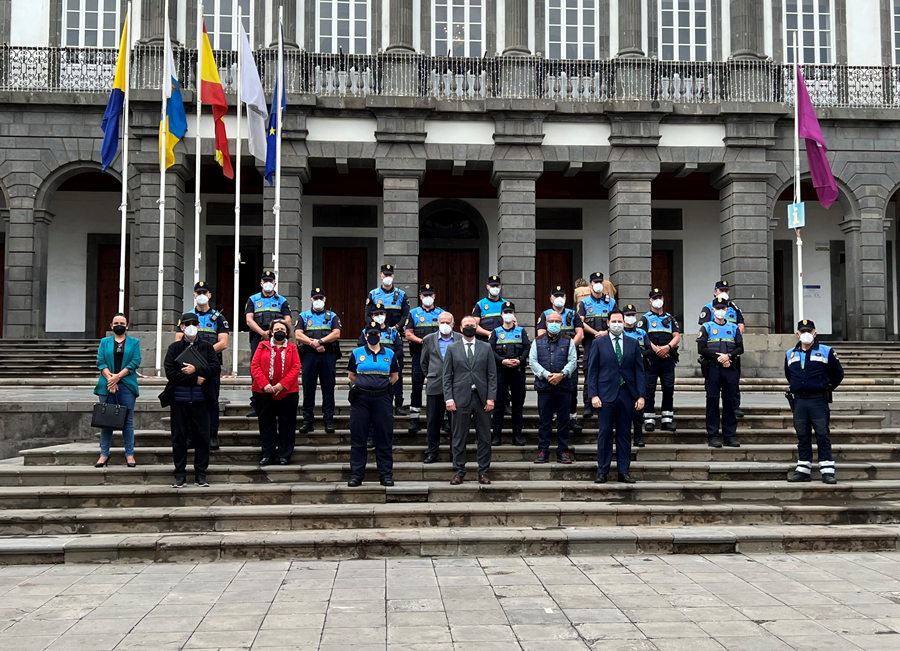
<point>110,415</point>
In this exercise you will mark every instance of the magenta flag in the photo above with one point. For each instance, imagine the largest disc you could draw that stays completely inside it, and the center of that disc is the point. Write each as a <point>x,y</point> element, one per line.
<point>816,149</point>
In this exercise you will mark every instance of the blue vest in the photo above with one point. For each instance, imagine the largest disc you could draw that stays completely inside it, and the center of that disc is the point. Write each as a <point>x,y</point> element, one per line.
<point>638,334</point>
<point>491,313</point>
<point>392,301</point>
<point>809,370</point>
<point>721,338</point>
<point>424,322</point>
<point>596,312</point>
<point>317,324</point>
<point>373,372</point>
<point>509,344</point>
<point>568,321</point>
<point>553,356</point>
<point>389,338</point>
<point>707,313</point>
<point>267,308</point>
<point>660,328</point>
<point>212,322</point>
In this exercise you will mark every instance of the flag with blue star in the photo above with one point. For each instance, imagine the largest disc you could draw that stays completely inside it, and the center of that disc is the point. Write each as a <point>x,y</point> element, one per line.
<point>272,135</point>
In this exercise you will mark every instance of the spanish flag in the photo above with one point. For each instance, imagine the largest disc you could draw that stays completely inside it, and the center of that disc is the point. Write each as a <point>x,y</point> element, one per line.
<point>211,92</point>
<point>110,123</point>
<point>173,128</point>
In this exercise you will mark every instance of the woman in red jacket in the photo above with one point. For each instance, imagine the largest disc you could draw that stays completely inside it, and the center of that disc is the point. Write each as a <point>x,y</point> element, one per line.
<point>275,369</point>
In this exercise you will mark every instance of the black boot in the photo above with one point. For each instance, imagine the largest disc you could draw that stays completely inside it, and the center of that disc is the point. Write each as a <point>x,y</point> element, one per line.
<point>575,427</point>
<point>214,441</point>
<point>638,436</point>
<point>518,439</point>
<point>495,439</point>
<point>398,409</point>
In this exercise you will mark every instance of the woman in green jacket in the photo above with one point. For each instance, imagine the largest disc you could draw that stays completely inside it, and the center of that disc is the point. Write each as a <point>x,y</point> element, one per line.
<point>118,359</point>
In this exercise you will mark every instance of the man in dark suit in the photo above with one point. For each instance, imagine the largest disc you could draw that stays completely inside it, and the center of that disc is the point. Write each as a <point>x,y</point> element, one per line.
<point>470,388</point>
<point>616,385</point>
<point>434,347</point>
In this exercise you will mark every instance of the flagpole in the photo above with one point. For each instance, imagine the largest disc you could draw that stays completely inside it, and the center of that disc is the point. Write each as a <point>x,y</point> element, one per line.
<point>277,206</point>
<point>162,192</point>
<point>797,195</point>
<point>197,143</point>
<point>123,260</point>
<point>237,193</point>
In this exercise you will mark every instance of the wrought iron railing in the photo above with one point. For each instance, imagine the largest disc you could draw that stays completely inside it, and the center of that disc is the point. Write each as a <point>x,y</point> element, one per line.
<point>91,70</point>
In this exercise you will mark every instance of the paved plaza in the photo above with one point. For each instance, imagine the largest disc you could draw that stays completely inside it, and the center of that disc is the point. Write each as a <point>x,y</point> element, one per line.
<point>814,602</point>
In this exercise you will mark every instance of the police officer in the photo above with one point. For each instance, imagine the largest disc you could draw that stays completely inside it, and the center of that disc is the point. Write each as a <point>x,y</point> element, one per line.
<point>372,370</point>
<point>594,311</point>
<point>572,327</point>
<point>317,333</point>
<point>213,329</point>
<point>487,311</point>
<point>733,315</point>
<point>389,338</point>
<point>633,330</point>
<point>664,335</point>
<point>720,344</point>
<point>261,310</point>
<point>396,307</point>
<point>511,346</point>
<point>422,321</point>
<point>813,371</point>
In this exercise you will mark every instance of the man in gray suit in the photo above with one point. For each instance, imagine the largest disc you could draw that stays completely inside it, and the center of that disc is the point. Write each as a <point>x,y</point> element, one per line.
<point>470,388</point>
<point>434,347</point>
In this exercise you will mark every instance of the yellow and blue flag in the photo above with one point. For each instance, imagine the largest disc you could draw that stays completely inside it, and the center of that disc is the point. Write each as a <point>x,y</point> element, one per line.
<point>272,134</point>
<point>110,123</point>
<point>174,126</point>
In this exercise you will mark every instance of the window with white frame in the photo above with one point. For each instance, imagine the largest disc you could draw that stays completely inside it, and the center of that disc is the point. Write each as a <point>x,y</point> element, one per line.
<point>813,19</point>
<point>572,29</point>
<point>91,23</point>
<point>684,30</point>
<point>458,27</point>
<point>221,27</point>
<point>343,25</point>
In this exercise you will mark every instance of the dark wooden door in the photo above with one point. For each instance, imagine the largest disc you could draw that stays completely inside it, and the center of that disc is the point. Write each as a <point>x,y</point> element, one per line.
<point>223,290</point>
<point>346,289</point>
<point>662,273</point>
<point>553,267</point>
<point>454,274</point>
<point>108,286</point>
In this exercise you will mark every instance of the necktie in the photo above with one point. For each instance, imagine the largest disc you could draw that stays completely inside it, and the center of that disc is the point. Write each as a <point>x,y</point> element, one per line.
<point>471,354</point>
<point>617,341</point>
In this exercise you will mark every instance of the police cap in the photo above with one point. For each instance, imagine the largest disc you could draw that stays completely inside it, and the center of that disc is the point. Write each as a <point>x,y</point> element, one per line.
<point>558,291</point>
<point>371,326</point>
<point>596,277</point>
<point>494,280</point>
<point>316,292</point>
<point>629,309</point>
<point>202,286</point>
<point>387,269</point>
<point>722,284</point>
<point>508,306</point>
<point>268,275</point>
<point>427,289</point>
<point>656,291</point>
<point>189,317</point>
<point>806,325</point>
<point>379,307</point>
<point>719,302</point>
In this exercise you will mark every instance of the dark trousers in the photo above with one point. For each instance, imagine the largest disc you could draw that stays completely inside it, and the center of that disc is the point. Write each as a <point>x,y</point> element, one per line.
<point>435,409</point>
<point>373,413</point>
<point>418,382</point>
<point>462,419</point>
<point>216,384</point>
<point>398,385</point>
<point>615,423</point>
<point>809,414</point>
<point>664,371</point>
<point>554,402</point>
<point>277,424</point>
<point>509,381</point>
<point>721,381</point>
<point>737,383</point>
<point>585,398</point>
<point>190,420</point>
<point>318,367</point>
<point>573,395</point>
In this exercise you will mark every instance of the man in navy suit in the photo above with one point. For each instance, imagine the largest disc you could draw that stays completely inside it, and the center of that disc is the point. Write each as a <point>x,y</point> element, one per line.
<point>616,386</point>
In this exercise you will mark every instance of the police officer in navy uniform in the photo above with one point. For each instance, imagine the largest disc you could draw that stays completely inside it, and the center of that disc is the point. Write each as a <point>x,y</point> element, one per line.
<point>734,315</point>
<point>318,331</point>
<point>664,335</point>
<point>422,321</point>
<point>487,311</point>
<point>594,311</point>
<point>813,371</point>
<point>372,370</point>
<point>511,347</point>
<point>214,330</point>
<point>633,330</point>
<point>396,306</point>
<point>572,327</point>
<point>720,344</point>
<point>261,310</point>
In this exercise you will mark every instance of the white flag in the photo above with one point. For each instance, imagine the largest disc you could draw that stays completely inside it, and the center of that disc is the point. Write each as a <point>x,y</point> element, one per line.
<point>253,96</point>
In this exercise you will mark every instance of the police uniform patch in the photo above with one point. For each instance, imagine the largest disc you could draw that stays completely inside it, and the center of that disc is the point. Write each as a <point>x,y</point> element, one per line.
<point>387,359</point>
<point>422,319</point>
<point>591,310</point>
<point>703,314</point>
<point>362,358</point>
<point>715,331</point>
<point>259,304</point>
<point>653,324</point>
<point>502,335</point>
<point>309,322</point>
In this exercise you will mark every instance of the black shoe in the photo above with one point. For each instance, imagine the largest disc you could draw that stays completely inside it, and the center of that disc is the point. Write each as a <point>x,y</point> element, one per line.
<point>518,439</point>
<point>252,413</point>
<point>495,440</point>
<point>387,481</point>
<point>543,456</point>
<point>714,442</point>
<point>738,413</point>
<point>413,426</point>
<point>649,425</point>
<point>668,427</point>
<point>200,480</point>
<point>179,482</point>
<point>354,482</point>
<point>602,478</point>
<point>625,478</point>
<point>102,464</point>
<point>732,443</point>
<point>430,457</point>
<point>575,427</point>
<point>639,441</point>
<point>399,410</point>
<point>829,478</point>
<point>265,461</point>
<point>283,461</point>
<point>214,443</point>
<point>306,428</point>
<point>329,428</point>
<point>796,477</point>
<point>588,413</point>
<point>370,443</point>
<point>565,457</point>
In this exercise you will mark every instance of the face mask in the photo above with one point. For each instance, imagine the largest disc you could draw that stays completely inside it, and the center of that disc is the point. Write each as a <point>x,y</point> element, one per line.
<point>268,287</point>
<point>445,329</point>
<point>494,291</point>
<point>191,331</point>
<point>387,281</point>
<point>554,328</point>
<point>428,301</point>
<point>508,318</point>
<point>597,287</point>
<point>318,305</point>
<point>559,301</point>
<point>119,329</point>
<point>616,328</point>
<point>378,318</point>
<point>657,303</point>
<point>724,295</point>
<point>806,338</point>
<point>373,339</point>
<point>279,335</point>
<point>630,320</point>
<point>202,299</point>
<point>469,331</point>
<point>719,314</point>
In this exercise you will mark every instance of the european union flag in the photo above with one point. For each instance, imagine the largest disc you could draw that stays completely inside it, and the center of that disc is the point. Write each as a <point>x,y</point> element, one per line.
<point>110,125</point>
<point>272,134</point>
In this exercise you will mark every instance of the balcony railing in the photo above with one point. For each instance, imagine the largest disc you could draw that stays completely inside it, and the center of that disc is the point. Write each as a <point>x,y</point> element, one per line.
<point>91,70</point>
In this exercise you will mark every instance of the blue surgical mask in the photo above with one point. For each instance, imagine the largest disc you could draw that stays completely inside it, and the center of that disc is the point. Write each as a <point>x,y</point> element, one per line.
<point>554,328</point>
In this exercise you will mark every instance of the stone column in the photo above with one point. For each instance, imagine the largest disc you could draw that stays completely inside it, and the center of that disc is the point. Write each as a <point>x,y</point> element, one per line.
<point>516,245</point>
<point>401,227</point>
<point>289,258</point>
<point>866,272</point>
<point>630,235</point>
<point>747,40</point>
<point>290,24</point>
<point>25,294</point>
<point>516,28</point>
<point>631,42</point>
<point>153,21</point>
<point>401,26</point>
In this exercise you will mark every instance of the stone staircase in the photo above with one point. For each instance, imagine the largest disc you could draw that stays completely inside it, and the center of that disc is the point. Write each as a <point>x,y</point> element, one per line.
<point>864,359</point>
<point>55,507</point>
<point>48,358</point>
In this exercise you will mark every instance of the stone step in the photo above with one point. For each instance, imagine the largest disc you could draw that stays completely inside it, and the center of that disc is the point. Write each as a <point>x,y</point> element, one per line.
<point>446,542</point>
<point>82,454</point>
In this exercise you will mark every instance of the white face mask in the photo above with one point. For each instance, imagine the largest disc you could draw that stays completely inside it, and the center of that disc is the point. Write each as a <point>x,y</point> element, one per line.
<point>508,318</point>
<point>806,338</point>
<point>387,281</point>
<point>559,301</point>
<point>428,301</point>
<point>719,314</point>
<point>630,320</point>
<point>723,295</point>
<point>318,305</point>
<point>616,328</point>
<point>445,328</point>
<point>202,299</point>
<point>494,291</point>
<point>378,318</point>
<point>597,287</point>
<point>656,303</point>
<point>191,331</point>
<point>268,287</point>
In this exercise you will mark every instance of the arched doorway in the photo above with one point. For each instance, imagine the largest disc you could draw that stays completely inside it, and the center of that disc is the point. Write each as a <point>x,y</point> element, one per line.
<point>453,253</point>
